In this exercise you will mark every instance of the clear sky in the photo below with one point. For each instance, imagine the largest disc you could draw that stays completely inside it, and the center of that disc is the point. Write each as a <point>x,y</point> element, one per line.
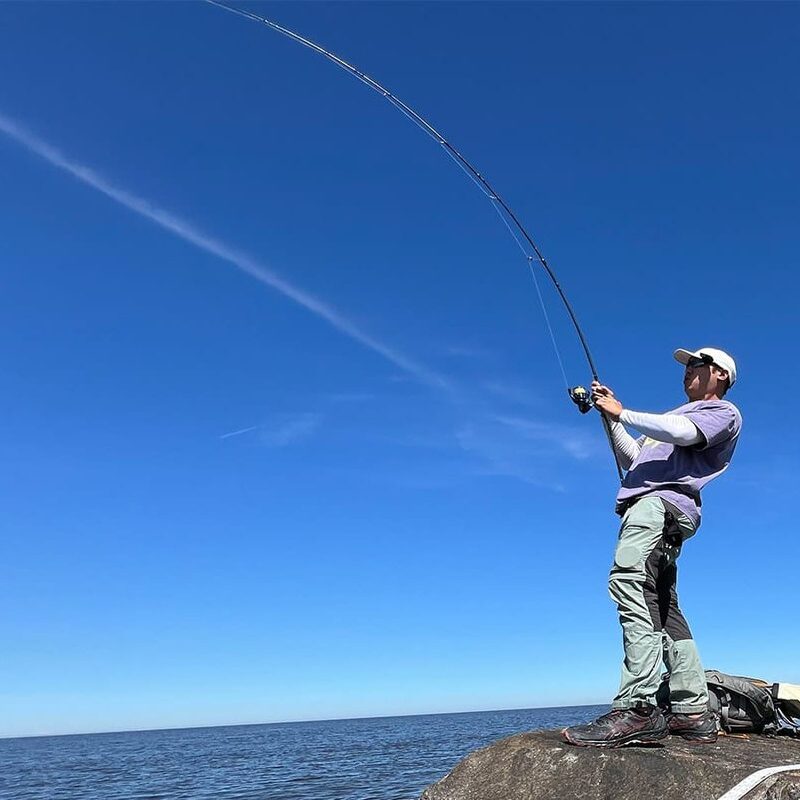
<point>283,435</point>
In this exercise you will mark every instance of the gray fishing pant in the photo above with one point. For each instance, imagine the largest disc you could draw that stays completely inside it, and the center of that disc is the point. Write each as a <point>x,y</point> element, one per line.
<point>643,585</point>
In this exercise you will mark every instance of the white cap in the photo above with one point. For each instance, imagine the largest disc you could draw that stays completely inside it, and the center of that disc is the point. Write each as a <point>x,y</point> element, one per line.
<point>718,357</point>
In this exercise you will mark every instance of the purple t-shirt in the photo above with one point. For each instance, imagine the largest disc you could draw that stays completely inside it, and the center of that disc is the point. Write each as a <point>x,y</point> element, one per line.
<point>677,474</point>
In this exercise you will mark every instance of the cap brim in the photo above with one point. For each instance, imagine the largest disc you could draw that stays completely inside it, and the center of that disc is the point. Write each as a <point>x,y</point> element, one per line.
<point>683,356</point>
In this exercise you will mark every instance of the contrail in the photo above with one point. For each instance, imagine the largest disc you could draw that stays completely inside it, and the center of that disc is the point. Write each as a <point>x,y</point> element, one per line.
<point>239,432</point>
<point>242,261</point>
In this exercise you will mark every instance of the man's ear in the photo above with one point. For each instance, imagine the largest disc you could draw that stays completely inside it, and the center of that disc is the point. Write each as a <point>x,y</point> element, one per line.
<point>723,375</point>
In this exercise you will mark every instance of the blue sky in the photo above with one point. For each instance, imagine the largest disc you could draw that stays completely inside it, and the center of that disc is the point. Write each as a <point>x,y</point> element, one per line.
<point>283,435</point>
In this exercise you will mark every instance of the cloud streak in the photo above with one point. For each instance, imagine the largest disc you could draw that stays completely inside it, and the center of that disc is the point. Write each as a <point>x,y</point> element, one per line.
<point>527,449</point>
<point>240,432</point>
<point>216,247</point>
<point>288,429</point>
<point>574,443</point>
<point>511,446</point>
<point>282,429</point>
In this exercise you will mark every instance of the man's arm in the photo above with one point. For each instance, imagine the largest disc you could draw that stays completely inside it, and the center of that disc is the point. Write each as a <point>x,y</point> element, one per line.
<point>626,446</point>
<point>671,428</point>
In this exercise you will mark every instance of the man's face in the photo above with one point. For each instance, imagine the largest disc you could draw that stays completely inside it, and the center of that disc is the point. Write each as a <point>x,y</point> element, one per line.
<point>702,380</point>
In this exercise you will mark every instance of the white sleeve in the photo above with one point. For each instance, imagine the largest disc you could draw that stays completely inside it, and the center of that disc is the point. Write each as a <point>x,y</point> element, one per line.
<point>670,428</point>
<point>626,446</point>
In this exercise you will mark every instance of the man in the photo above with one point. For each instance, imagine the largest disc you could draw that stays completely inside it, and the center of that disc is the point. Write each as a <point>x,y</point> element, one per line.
<point>659,502</point>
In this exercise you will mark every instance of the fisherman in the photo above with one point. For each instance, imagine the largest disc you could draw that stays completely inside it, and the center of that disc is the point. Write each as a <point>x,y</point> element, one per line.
<point>659,502</point>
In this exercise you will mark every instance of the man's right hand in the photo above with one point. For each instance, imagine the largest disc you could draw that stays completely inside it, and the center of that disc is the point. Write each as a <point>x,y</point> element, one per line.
<point>604,399</point>
<point>598,390</point>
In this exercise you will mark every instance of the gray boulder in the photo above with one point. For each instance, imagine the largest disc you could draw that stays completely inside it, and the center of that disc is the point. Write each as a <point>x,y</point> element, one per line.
<point>540,766</point>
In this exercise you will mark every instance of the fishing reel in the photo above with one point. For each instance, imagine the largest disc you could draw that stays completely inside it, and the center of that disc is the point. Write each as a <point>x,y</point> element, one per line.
<point>582,398</point>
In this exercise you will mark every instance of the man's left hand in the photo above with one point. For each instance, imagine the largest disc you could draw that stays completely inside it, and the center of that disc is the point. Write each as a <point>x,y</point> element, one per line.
<point>604,399</point>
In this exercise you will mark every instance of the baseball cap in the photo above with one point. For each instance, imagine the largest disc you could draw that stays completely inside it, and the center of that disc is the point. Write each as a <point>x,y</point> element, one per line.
<point>718,357</point>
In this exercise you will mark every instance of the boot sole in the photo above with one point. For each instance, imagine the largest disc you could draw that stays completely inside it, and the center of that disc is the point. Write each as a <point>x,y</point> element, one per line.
<point>650,738</point>
<point>698,739</point>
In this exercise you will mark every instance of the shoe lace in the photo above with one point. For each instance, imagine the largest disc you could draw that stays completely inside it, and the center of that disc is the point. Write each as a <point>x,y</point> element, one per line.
<point>611,715</point>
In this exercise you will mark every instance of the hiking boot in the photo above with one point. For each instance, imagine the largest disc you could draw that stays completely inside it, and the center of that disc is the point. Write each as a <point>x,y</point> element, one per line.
<point>619,727</point>
<point>694,727</point>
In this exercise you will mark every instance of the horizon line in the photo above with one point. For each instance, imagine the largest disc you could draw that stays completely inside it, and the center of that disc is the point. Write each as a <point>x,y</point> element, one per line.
<point>293,721</point>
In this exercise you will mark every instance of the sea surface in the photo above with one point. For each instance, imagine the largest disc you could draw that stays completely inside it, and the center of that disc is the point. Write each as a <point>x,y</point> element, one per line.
<point>381,758</point>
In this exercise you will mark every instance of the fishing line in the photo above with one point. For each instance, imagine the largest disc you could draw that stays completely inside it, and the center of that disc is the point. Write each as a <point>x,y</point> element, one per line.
<point>529,260</point>
<point>510,219</point>
<point>528,257</point>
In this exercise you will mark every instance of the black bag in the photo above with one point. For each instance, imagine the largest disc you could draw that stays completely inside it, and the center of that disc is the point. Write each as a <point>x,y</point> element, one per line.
<point>787,707</point>
<point>742,705</point>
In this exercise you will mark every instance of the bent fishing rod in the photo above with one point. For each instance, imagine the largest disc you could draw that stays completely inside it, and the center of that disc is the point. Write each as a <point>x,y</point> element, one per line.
<point>578,394</point>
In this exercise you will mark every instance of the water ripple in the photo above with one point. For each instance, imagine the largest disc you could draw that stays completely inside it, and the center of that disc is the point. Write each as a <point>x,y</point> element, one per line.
<point>385,758</point>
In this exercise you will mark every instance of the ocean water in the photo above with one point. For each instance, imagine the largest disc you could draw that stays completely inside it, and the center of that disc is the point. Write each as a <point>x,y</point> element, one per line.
<point>383,758</point>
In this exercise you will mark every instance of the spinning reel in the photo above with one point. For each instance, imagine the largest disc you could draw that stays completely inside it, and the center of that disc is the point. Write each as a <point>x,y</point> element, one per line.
<point>582,398</point>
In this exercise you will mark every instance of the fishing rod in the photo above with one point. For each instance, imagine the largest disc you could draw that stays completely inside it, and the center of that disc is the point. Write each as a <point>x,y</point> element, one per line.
<point>578,394</point>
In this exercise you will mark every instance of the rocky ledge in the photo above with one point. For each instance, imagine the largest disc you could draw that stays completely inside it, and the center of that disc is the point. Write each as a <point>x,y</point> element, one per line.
<point>540,766</point>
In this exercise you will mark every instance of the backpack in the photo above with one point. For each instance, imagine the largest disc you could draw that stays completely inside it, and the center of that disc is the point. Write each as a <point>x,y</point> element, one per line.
<point>742,705</point>
<point>750,705</point>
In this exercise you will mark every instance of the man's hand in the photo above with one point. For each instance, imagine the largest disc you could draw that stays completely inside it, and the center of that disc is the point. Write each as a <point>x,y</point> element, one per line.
<point>604,399</point>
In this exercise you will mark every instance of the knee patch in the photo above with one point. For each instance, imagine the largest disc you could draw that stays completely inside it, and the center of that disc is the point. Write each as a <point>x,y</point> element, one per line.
<point>627,556</point>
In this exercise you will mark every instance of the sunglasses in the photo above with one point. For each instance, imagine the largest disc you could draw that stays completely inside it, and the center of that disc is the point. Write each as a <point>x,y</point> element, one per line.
<point>700,361</point>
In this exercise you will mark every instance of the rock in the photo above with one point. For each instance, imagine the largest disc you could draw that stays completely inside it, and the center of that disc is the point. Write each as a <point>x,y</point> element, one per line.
<point>540,766</point>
